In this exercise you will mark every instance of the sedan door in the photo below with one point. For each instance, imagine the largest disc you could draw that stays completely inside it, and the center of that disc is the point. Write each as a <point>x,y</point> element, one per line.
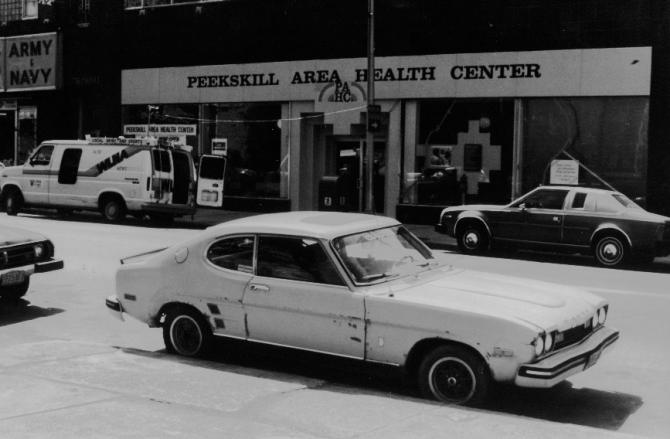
<point>543,216</point>
<point>298,298</point>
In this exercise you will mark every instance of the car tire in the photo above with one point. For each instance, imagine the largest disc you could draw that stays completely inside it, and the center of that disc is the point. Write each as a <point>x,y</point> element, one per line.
<point>113,209</point>
<point>454,375</point>
<point>185,332</point>
<point>472,238</point>
<point>15,292</point>
<point>610,251</point>
<point>12,202</point>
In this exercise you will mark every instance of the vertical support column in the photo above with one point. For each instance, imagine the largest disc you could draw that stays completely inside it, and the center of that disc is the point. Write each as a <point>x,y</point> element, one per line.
<point>411,138</point>
<point>285,150</point>
<point>517,149</point>
<point>393,152</point>
<point>202,138</point>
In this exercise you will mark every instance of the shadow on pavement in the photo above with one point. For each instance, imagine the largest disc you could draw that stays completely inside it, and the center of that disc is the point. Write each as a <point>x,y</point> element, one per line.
<point>563,403</point>
<point>16,311</point>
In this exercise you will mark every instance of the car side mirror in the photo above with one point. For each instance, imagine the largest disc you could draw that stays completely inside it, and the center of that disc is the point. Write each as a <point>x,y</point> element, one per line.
<point>522,206</point>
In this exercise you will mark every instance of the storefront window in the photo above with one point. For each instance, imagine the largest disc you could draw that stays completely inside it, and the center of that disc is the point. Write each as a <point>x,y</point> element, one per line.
<point>27,132</point>
<point>163,121</point>
<point>251,133</point>
<point>463,153</point>
<point>608,135</point>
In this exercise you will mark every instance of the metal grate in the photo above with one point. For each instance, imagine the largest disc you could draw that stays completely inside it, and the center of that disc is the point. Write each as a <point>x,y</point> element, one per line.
<point>573,335</point>
<point>10,10</point>
<point>17,256</point>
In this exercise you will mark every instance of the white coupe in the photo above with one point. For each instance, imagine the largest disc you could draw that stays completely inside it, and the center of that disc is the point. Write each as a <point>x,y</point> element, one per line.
<point>364,287</point>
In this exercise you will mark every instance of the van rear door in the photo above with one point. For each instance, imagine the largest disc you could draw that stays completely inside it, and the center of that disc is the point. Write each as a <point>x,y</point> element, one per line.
<point>211,173</point>
<point>161,181</point>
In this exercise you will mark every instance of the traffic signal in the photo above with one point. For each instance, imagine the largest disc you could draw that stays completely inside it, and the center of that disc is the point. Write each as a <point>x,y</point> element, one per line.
<point>374,118</point>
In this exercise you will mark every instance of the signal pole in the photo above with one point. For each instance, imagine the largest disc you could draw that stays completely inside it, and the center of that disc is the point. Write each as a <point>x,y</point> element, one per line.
<point>370,136</point>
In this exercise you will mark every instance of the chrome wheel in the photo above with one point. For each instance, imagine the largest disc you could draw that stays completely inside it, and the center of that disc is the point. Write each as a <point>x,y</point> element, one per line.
<point>610,251</point>
<point>472,238</point>
<point>186,335</point>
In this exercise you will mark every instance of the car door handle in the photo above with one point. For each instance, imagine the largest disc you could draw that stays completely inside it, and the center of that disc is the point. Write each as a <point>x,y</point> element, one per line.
<point>259,288</point>
<point>556,219</point>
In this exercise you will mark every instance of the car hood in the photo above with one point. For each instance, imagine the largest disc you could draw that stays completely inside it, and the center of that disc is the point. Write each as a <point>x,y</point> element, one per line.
<point>13,236</point>
<point>544,305</point>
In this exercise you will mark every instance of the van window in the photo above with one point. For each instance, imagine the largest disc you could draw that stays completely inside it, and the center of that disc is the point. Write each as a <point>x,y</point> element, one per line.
<point>161,160</point>
<point>212,168</point>
<point>42,156</point>
<point>69,166</point>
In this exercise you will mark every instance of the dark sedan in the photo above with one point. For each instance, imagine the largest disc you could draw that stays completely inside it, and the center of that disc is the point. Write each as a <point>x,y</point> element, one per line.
<point>22,254</point>
<point>604,223</point>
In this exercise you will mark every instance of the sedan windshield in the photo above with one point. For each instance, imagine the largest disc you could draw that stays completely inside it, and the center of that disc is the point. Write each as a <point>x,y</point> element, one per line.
<point>382,253</point>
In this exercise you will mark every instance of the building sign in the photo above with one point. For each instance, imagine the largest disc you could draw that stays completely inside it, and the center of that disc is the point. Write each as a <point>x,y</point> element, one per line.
<point>564,172</point>
<point>580,72</point>
<point>31,62</point>
<point>160,130</point>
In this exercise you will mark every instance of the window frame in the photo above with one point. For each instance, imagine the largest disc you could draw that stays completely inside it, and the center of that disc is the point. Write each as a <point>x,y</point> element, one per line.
<point>24,8</point>
<point>225,237</point>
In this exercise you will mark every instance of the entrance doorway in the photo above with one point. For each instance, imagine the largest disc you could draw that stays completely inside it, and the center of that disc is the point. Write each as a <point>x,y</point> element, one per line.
<point>344,161</point>
<point>7,136</point>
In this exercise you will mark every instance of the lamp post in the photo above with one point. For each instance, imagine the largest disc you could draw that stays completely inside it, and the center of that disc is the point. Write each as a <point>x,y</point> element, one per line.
<point>370,137</point>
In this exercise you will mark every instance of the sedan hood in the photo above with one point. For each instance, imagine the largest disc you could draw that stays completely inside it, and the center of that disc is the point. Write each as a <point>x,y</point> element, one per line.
<point>543,305</point>
<point>13,236</point>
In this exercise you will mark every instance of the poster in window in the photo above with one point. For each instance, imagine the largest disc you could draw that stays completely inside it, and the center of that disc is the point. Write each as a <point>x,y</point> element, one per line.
<point>472,157</point>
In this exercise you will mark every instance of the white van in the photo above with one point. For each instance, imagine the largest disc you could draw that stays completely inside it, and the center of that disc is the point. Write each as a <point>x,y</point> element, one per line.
<point>113,175</point>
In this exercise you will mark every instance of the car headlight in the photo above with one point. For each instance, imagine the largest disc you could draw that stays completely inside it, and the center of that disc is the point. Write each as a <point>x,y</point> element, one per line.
<point>539,346</point>
<point>548,342</point>
<point>594,320</point>
<point>39,251</point>
<point>602,315</point>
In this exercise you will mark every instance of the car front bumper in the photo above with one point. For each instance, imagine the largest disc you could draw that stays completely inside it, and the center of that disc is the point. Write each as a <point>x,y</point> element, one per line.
<point>38,267</point>
<point>554,369</point>
<point>115,307</point>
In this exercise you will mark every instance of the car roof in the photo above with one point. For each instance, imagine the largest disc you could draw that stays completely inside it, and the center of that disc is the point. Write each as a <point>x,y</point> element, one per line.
<point>579,188</point>
<point>318,224</point>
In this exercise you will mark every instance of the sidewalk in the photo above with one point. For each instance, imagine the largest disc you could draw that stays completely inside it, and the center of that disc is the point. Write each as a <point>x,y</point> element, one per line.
<point>208,217</point>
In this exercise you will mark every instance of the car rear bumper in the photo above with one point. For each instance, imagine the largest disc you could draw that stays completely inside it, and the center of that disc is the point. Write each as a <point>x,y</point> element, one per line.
<point>114,307</point>
<point>554,369</point>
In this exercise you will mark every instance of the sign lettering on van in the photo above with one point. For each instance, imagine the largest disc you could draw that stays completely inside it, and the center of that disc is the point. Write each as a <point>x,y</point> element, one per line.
<point>111,161</point>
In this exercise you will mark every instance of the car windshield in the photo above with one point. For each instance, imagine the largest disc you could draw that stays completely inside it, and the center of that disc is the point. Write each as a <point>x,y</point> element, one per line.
<point>382,254</point>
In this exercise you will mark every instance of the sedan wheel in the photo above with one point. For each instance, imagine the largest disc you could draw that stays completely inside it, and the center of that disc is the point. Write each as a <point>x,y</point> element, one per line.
<point>453,375</point>
<point>610,251</point>
<point>186,333</point>
<point>473,239</point>
<point>15,292</point>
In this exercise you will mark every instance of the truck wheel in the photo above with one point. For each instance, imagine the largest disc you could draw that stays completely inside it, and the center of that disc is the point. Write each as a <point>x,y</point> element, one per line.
<point>453,375</point>
<point>15,292</point>
<point>113,209</point>
<point>12,202</point>
<point>185,332</point>
<point>472,238</point>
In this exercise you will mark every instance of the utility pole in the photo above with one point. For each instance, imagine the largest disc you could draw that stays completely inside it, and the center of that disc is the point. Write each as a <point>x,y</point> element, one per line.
<point>370,136</point>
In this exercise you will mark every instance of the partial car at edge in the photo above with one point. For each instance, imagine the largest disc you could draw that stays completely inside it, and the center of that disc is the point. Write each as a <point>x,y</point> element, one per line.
<point>363,287</point>
<point>22,254</point>
<point>599,222</point>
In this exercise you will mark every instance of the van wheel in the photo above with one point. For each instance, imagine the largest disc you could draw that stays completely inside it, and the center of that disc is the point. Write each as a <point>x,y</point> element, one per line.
<point>113,209</point>
<point>12,202</point>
